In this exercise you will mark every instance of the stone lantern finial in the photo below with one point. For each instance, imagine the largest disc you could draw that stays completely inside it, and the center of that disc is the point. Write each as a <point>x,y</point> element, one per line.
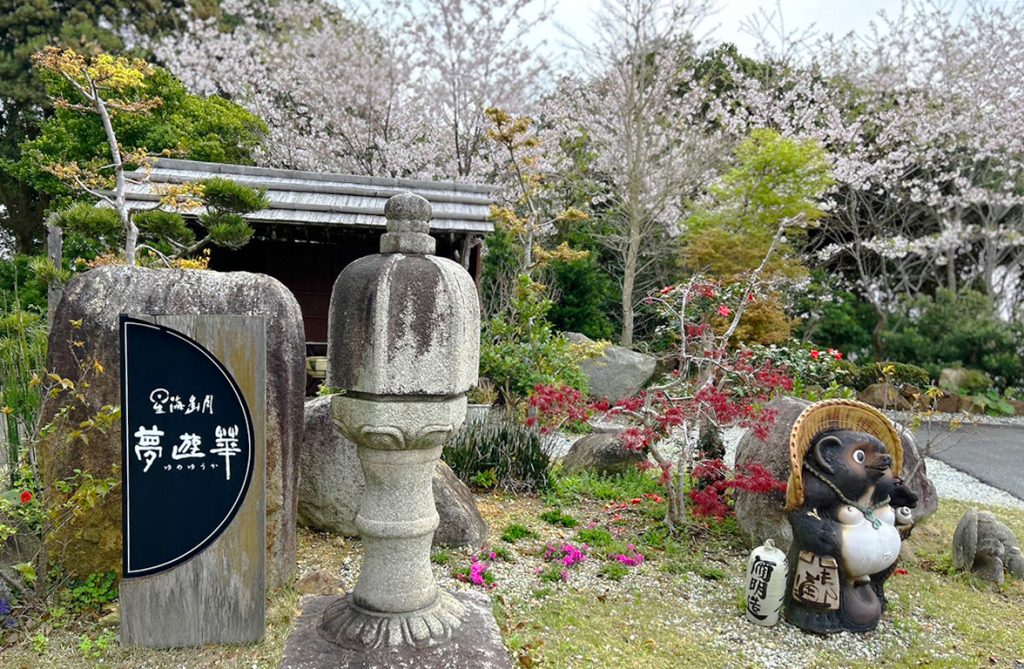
<point>408,217</point>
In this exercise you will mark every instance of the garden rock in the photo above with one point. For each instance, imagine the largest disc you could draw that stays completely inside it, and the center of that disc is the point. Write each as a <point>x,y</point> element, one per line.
<point>951,378</point>
<point>602,453</point>
<point>88,313</point>
<point>319,582</point>
<point>984,545</point>
<point>956,379</point>
<point>617,373</point>
<point>331,486</point>
<point>947,403</point>
<point>968,405</point>
<point>884,396</point>
<point>915,475</point>
<point>760,516</point>
<point>330,477</point>
<point>461,523</point>
<point>917,398</point>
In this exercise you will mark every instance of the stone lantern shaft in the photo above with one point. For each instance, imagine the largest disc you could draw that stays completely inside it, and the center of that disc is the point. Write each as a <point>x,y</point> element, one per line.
<point>404,349</point>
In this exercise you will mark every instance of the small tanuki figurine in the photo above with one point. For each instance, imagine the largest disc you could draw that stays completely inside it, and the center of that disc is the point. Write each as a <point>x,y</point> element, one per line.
<point>849,511</point>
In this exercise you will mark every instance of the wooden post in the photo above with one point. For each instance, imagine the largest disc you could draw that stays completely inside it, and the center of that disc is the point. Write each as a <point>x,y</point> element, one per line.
<point>219,595</point>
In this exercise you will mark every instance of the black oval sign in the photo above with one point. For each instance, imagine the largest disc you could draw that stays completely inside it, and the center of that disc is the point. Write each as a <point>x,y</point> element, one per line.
<point>187,442</point>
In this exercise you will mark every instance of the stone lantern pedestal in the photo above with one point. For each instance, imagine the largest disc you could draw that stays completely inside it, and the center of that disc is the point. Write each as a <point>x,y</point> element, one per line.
<point>404,348</point>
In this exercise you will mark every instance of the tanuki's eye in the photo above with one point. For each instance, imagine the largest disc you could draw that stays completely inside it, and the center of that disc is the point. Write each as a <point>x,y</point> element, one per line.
<point>858,455</point>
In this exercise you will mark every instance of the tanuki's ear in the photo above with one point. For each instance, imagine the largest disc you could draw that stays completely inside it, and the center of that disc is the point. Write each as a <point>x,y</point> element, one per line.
<point>819,454</point>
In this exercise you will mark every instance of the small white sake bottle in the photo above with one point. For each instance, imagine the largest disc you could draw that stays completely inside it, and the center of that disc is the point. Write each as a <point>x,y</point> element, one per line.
<point>766,583</point>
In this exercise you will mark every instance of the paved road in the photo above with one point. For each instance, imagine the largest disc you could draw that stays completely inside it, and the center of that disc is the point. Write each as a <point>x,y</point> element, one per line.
<point>993,454</point>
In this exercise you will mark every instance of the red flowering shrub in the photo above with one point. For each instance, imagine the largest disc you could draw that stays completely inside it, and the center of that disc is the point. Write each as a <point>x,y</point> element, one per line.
<point>714,484</point>
<point>714,385</point>
<point>554,407</point>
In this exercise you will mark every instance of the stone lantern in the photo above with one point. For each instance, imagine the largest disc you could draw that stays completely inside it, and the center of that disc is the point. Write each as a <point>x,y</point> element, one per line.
<point>404,341</point>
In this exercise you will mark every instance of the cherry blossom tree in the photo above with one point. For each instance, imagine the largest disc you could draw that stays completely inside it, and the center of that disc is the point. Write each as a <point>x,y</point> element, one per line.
<point>385,88</point>
<point>471,56</point>
<point>640,110</point>
<point>931,107</point>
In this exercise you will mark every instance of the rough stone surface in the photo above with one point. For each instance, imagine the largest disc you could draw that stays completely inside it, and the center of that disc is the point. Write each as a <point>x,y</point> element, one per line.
<point>968,405</point>
<point>884,396</point>
<point>947,403</point>
<point>761,516</point>
<point>602,453</point>
<point>918,399</point>
<point>984,545</point>
<point>330,477</point>
<point>411,326</point>
<point>319,582</point>
<point>618,373</point>
<point>915,475</point>
<point>92,542</point>
<point>951,378</point>
<point>461,523</point>
<point>476,644</point>
<point>954,378</point>
<point>331,486</point>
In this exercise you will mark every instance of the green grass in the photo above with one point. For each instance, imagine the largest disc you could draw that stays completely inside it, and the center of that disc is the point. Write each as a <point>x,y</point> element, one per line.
<point>566,490</point>
<point>514,532</point>
<point>597,538</point>
<point>556,517</point>
<point>614,571</point>
<point>620,630</point>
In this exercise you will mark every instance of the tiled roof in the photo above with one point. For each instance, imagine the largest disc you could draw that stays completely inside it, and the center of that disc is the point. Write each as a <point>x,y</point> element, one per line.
<point>323,199</point>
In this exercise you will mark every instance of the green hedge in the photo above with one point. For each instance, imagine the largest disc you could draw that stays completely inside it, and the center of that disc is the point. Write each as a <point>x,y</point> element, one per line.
<point>899,374</point>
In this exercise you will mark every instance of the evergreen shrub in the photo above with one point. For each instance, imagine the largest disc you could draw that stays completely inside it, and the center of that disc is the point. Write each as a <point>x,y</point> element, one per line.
<point>504,452</point>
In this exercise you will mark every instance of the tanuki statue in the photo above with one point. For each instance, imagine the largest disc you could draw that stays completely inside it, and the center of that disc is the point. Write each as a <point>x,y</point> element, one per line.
<point>849,511</point>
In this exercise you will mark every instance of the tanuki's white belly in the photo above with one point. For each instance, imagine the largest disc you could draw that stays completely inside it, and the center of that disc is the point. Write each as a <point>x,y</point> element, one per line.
<point>867,550</point>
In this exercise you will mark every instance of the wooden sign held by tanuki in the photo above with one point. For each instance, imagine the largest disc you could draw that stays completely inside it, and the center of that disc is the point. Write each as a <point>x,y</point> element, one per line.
<point>193,413</point>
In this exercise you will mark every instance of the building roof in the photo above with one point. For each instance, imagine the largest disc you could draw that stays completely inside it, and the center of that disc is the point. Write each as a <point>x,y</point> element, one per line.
<point>324,199</point>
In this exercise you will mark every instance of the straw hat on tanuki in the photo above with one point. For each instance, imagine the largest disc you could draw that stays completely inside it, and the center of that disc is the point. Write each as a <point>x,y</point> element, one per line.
<point>839,415</point>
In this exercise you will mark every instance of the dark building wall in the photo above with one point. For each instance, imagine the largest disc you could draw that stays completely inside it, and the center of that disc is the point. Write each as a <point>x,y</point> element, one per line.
<point>308,266</point>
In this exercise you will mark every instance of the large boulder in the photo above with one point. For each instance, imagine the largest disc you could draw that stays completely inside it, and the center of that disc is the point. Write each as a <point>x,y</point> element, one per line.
<point>602,453</point>
<point>915,475</point>
<point>330,478</point>
<point>617,373</point>
<point>85,327</point>
<point>331,486</point>
<point>461,523</point>
<point>760,516</point>
<point>884,396</point>
<point>948,403</point>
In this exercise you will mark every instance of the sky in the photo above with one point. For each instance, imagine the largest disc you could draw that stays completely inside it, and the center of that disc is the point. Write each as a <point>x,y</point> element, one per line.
<point>827,16</point>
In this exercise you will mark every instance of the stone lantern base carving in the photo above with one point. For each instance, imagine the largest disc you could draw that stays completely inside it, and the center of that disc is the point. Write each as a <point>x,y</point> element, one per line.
<point>347,624</point>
